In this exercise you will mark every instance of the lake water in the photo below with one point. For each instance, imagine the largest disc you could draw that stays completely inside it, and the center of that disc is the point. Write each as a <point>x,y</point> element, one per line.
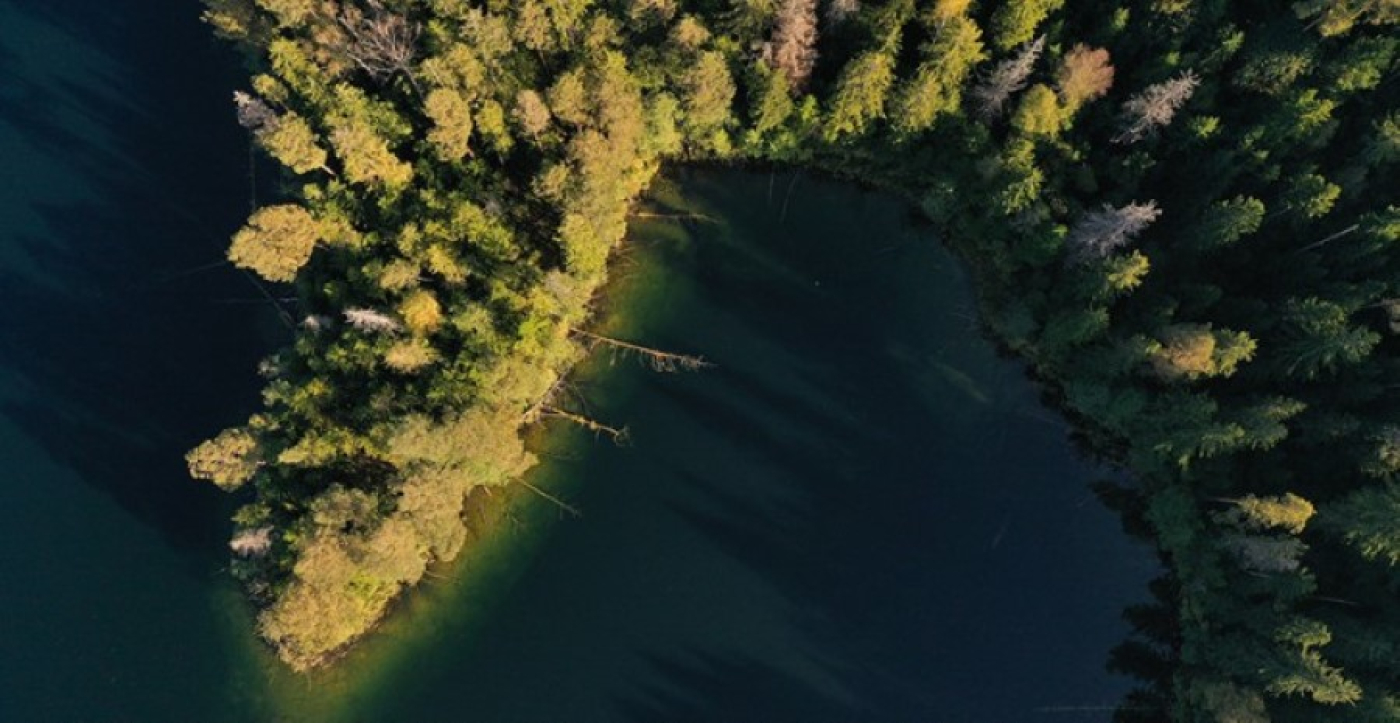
<point>859,513</point>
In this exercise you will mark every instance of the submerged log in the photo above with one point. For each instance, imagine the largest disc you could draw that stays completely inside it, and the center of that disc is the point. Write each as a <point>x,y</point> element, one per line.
<point>619,436</point>
<point>661,361</point>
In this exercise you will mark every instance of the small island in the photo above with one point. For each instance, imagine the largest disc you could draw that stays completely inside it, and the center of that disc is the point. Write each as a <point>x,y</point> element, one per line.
<point>1180,213</point>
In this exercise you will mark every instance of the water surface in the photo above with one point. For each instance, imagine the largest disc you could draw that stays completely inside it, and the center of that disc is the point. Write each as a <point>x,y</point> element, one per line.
<point>860,513</point>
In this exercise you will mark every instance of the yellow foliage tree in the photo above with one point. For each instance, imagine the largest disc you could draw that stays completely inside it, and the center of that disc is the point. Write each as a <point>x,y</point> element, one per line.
<point>1191,351</point>
<point>289,13</point>
<point>276,243</point>
<point>452,124</point>
<point>421,312</point>
<point>228,460</point>
<point>531,113</point>
<point>365,155</point>
<point>291,141</point>
<point>410,355</point>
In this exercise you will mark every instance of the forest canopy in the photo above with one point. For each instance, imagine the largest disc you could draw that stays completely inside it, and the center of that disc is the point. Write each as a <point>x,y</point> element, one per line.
<point>1181,213</point>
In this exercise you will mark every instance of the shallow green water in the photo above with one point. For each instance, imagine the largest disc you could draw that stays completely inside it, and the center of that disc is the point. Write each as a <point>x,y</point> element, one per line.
<point>859,513</point>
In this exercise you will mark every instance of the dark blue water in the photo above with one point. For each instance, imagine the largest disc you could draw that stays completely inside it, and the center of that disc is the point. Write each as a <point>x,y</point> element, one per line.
<point>860,514</point>
<point>120,173</point>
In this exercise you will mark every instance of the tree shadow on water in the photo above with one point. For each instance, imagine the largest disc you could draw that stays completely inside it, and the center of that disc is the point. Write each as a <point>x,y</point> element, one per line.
<point>832,556</point>
<point>865,478</point>
<point>703,688</point>
<point>124,348</point>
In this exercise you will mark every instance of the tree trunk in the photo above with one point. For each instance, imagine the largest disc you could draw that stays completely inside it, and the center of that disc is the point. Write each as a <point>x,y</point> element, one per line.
<point>618,435</point>
<point>660,361</point>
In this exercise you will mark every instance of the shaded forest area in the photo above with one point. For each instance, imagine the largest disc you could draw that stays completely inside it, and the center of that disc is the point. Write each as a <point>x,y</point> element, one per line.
<point>1181,213</point>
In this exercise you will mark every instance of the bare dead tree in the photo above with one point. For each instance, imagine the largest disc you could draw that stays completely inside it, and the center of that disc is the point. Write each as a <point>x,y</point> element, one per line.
<point>1266,554</point>
<point>565,506</point>
<point>1100,233</point>
<point>660,361</point>
<point>1005,80</point>
<point>1155,107</point>
<point>1340,234</point>
<point>253,113</point>
<point>372,321</point>
<point>618,435</point>
<point>838,11</point>
<point>380,42</point>
<point>792,49</point>
<point>254,542</point>
<point>316,323</point>
<point>533,412</point>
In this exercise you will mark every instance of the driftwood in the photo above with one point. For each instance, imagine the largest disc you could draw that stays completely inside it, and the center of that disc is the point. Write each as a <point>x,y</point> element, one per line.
<point>658,360</point>
<point>565,506</point>
<point>676,216</point>
<point>619,436</point>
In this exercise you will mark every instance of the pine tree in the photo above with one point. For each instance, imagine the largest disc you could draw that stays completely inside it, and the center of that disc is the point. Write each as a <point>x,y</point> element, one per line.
<point>860,94</point>
<point>1368,520</point>
<point>936,87</point>
<point>1014,23</point>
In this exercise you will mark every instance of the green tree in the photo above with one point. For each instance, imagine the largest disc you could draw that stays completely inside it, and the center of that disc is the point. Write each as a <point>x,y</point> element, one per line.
<point>936,87</point>
<point>1336,17</point>
<point>1226,222</point>
<point>1384,146</point>
<point>1015,23</point>
<point>1039,113</point>
<point>707,92</point>
<point>946,11</point>
<point>1311,195</point>
<point>860,94</point>
<point>1368,520</point>
<point>1318,337</point>
<point>1383,461</point>
<point>770,99</point>
<point>491,122</point>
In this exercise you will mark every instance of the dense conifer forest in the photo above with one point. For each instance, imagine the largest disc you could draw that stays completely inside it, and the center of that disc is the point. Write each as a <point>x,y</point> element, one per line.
<point>1181,213</point>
